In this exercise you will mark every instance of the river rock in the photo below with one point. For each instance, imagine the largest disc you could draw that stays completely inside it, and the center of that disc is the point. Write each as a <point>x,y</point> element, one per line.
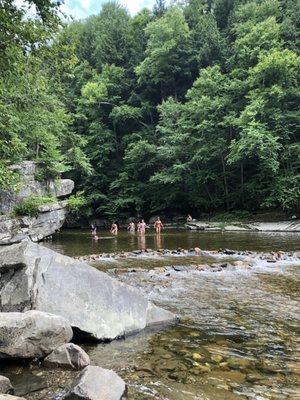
<point>69,356</point>
<point>97,305</point>
<point>96,383</point>
<point>31,334</point>
<point>5,386</point>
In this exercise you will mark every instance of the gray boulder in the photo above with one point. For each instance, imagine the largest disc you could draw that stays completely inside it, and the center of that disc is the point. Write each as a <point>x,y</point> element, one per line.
<point>96,383</point>
<point>69,356</point>
<point>31,334</point>
<point>5,386</point>
<point>93,302</point>
<point>10,397</point>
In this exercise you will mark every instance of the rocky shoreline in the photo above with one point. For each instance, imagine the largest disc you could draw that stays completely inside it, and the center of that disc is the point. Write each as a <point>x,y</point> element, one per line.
<point>47,300</point>
<point>238,226</point>
<point>247,256</point>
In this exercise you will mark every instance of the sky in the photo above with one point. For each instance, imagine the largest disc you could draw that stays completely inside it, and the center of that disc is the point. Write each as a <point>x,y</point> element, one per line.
<point>83,8</point>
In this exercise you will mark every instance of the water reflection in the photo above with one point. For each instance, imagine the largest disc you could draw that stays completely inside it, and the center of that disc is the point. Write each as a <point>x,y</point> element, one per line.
<point>79,242</point>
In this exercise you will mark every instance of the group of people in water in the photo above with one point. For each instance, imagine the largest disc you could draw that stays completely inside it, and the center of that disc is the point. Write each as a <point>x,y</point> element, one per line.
<point>139,227</point>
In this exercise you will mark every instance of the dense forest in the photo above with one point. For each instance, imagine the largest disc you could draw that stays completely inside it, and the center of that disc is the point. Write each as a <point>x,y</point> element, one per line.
<point>191,107</point>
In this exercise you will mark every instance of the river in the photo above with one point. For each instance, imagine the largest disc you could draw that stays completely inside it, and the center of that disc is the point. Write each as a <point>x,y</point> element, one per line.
<point>238,336</point>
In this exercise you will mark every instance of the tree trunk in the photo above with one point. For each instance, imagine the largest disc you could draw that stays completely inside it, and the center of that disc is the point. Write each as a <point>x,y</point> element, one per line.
<point>225,181</point>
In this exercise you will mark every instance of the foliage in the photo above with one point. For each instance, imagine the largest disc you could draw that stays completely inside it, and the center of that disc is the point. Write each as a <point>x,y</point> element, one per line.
<point>76,203</point>
<point>31,205</point>
<point>234,216</point>
<point>192,107</point>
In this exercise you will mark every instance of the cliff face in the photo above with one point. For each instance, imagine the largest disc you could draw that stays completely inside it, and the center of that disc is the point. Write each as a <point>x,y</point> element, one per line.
<point>50,217</point>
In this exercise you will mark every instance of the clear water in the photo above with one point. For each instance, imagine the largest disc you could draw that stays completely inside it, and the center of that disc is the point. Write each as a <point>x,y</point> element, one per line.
<point>238,337</point>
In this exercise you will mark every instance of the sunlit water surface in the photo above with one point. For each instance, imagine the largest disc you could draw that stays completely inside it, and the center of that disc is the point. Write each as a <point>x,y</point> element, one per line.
<point>238,337</point>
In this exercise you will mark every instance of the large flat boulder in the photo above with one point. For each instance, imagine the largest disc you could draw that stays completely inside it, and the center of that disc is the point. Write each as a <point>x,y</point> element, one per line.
<point>94,303</point>
<point>96,383</point>
<point>32,334</point>
<point>10,397</point>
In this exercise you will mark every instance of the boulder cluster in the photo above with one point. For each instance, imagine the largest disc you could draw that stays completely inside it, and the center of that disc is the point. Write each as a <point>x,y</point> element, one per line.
<point>46,299</point>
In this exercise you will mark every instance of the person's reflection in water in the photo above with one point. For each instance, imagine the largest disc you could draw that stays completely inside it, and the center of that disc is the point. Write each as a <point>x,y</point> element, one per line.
<point>158,241</point>
<point>142,242</point>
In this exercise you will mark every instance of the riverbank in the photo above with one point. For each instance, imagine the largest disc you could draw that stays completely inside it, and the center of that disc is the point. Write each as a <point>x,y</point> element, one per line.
<point>279,226</point>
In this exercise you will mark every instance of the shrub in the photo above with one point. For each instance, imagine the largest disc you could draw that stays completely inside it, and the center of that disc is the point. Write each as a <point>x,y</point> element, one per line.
<point>30,206</point>
<point>232,216</point>
<point>77,202</point>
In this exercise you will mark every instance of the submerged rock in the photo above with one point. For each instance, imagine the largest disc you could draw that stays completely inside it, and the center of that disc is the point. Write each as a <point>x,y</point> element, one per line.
<point>5,386</point>
<point>31,334</point>
<point>69,356</point>
<point>94,303</point>
<point>96,383</point>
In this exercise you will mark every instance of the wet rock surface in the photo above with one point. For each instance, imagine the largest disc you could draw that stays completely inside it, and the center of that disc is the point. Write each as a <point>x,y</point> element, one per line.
<point>5,385</point>
<point>93,302</point>
<point>31,334</point>
<point>96,383</point>
<point>238,257</point>
<point>68,356</point>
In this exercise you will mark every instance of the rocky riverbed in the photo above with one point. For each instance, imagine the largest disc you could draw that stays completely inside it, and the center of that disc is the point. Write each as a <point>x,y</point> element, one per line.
<point>237,336</point>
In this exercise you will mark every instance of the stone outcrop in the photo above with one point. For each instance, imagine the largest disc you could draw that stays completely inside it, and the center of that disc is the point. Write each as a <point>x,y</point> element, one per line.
<point>96,383</point>
<point>5,386</point>
<point>10,397</point>
<point>29,186</point>
<point>50,217</point>
<point>32,334</point>
<point>35,277</point>
<point>68,356</point>
<point>280,226</point>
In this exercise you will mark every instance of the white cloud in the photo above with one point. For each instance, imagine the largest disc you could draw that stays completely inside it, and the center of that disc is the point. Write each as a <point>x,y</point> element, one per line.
<point>86,4</point>
<point>135,6</point>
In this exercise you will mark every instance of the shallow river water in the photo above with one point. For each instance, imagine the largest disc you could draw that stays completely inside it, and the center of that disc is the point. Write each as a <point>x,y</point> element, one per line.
<point>238,335</point>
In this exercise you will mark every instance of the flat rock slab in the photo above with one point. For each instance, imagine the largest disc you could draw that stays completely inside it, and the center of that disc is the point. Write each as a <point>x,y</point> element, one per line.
<point>96,383</point>
<point>97,305</point>
<point>10,397</point>
<point>68,356</point>
<point>32,334</point>
<point>5,386</point>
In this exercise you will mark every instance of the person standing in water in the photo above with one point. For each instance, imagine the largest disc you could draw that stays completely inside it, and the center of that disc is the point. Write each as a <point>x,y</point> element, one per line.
<point>158,225</point>
<point>143,227</point>
<point>114,229</point>
<point>131,227</point>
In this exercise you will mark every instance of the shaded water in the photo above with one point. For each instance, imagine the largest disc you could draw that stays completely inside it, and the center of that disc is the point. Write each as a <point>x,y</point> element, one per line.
<point>238,337</point>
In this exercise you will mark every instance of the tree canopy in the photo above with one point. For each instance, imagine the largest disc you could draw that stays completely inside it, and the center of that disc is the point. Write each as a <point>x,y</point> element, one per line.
<point>192,107</point>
